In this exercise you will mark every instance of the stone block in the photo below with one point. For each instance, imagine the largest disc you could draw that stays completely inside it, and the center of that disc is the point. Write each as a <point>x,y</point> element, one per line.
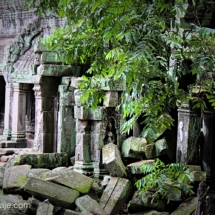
<point>38,173</point>
<point>58,195</point>
<point>153,212</point>
<point>58,70</point>
<point>51,57</point>
<point>174,193</point>
<point>70,212</point>
<point>161,147</point>
<point>111,159</point>
<point>2,170</point>
<point>72,179</point>
<point>77,97</point>
<point>45,208</point>
<point>134,168</point>
<point>194,168</point>
<point>84,113</point>
<point>11,204</point>
<point>5,158</point>
<point>15,178</point>
<point>198,175</point>
<point>75,81</point>
<point>115,195</point>
<point>46,160</point>
<point>33,205</point>
<point>111,99</point>
<point>111,85</point>
<point>158,204</point>
<point>82,152</point>
<point>86,203</point>
<point>187,207</point>
<point>134,147</point>
<point>150,151</point>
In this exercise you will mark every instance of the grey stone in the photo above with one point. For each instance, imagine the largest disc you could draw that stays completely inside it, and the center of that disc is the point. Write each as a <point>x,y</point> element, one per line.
<point>111,99</point>
<point>15,178</point>
<point>187,207</point>
<point>150,151</point>
<point>13,205</point>
<point>115,195</point>
<point>33,205</point>
<point>198,175</point>
<point>153,212</point>
<point>150,202</point>
<point>45,208</point>
<point>73,180</point>
<point>112,160</point>
<point>84,113</point>
<point>194,168</point>
<point>86,203</point>
<point>134,147</point>
<point>2,169</point>
<point>57,194</point>
<point>38,173</point>
<point>134,168</point>
<point>70,212</point>
<point>174,193</point>
<point>46,160</point>
<point>161,147</point>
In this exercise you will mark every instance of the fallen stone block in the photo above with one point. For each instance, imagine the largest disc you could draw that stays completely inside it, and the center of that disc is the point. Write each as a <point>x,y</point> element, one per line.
<point>46,160</point>
<point>194,168</point>
<point>70,212</point>
<point>161,147</point>
<point>72,179</point>
<point>150,151</point>
<point>57,194</point>
<point>87,204</point>
<point>145,200</point>
<point>5,158</point>
<point>38,173</point>
<point>134,168</point>
<point>112,160</point>
<point>12,205</point>
<point>115,195</point>
<point>134,147</point>
<point>33,205</point>
<point>85,213</point>
<point>187,207</point>
<point>15,178</point>
<point>45,208</point>
<point>153,212</point>
<point>174,193</point>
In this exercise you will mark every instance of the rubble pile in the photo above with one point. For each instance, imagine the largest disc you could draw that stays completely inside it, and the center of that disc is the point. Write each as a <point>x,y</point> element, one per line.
<point>48,184</point>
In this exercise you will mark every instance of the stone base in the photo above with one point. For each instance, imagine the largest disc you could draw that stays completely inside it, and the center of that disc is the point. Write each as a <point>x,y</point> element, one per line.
<point>20,142</point>
<point>84,168</point>
<point>7,144</point>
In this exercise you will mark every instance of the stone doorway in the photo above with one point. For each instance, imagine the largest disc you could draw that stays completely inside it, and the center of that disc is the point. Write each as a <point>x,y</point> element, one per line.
<point>2,103</point>
<point>30,116</point>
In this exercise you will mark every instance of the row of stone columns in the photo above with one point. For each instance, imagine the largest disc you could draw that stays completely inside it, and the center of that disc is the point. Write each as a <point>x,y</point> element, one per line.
<point>15,114</point>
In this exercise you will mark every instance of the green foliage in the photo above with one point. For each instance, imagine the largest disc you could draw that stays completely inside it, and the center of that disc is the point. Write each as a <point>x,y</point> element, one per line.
<point>145,44</point>
<point>162,178</point>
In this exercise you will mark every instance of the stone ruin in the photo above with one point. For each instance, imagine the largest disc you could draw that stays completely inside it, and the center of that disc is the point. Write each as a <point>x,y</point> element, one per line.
<point>41,112</point>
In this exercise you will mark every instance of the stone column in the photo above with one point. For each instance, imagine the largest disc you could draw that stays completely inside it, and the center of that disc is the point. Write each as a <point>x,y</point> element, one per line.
<point>7,114</point>
<point>18,114</point>
<point>189,128</point>
<point>45,93</point>
<point>208,147</point>
<point>66,138</point>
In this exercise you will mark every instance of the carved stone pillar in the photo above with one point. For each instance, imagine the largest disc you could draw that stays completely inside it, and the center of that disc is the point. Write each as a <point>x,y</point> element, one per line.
<point>45,93</point>
<point>66,139</point>
<point>18,114</point>
<point>189,128</point>
<point>7,114</point>
<point>208,147</point>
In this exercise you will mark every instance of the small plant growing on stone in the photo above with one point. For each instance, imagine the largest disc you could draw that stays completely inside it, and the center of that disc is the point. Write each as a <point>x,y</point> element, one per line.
<point>162,179</point>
